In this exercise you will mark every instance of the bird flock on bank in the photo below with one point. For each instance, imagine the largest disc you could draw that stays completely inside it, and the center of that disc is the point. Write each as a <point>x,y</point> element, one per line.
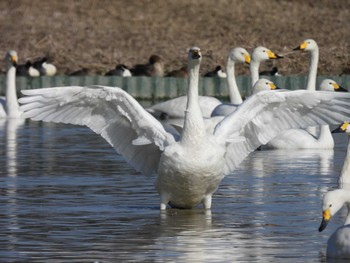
<point>209,139</point>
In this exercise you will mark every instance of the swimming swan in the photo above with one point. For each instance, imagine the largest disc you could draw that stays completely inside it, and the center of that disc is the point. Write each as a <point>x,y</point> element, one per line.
<point>9,107</point>
<point>259,55</point>
<point>302,139</point>
<point>190,166</point>
<point>236,55</point>
<point>305,139</point>
<point>338,244</point>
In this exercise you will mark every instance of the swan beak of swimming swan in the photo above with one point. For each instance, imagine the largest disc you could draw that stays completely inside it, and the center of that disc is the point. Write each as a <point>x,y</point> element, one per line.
<point>337,87</point>
<point>273,86</point>
<point>342,128</point>
<point>326,216</point>
<point>273,55</point>
<point>247,58</point>
<point>302,46</point>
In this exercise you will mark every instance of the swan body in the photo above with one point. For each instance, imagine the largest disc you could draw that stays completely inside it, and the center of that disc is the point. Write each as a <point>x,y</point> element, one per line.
<point>189,165</point>
<point>9,107</point>
<point>305,139</point>
<point>338,244</point>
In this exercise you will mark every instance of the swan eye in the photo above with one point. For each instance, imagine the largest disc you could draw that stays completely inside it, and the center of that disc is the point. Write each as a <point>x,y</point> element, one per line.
<point>330,205</point>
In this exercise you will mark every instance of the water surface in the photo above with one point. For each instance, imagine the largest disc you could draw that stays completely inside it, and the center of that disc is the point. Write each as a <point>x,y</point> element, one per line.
<point>66,196</point>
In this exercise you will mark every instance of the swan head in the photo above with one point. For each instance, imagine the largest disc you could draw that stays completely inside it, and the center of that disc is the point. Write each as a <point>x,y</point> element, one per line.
<point>11,58</point>
<point>331,85</point>
<point>262,53</point>
<point>239,55</point>
<point>344,127</point>
<point>194,56</point>
<point>264,84</point>
<point>307,45</point>
<point>333,201</point>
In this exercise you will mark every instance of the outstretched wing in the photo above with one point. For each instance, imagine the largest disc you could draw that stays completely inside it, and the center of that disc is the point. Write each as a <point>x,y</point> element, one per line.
<point>108,111</point>
<point>264,115</point>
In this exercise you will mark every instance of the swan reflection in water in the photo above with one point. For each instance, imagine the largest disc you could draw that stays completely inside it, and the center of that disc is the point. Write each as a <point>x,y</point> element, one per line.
<point>10,128</point>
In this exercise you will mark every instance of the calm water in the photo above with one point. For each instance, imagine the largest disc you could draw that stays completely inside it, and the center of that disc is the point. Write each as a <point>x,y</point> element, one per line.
<point>66,196</point>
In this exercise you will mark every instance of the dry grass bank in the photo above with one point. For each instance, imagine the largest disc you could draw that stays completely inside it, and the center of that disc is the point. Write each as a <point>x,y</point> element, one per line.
<point>97,34</point>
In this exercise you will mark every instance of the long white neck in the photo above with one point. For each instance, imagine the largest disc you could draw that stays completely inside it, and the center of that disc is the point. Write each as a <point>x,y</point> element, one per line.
<point>344,178</point>
<point>325,135</point>
<point>194,128</point>
<point>235,95</point>
<point>11,94</point>
<point>254,72</point>
<point>311,79</point>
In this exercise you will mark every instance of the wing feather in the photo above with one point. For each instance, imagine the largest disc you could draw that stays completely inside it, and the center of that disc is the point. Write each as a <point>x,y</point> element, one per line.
<point>108,111</point>
<point>264,115</point>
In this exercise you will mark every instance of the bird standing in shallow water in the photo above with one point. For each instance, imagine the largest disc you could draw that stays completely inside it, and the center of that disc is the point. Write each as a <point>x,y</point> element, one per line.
<point>189,165</point>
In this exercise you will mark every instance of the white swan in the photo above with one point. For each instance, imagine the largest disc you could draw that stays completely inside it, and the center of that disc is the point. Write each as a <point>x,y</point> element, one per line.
<point>302,139</point>
<point>236,55</point>
<point>259,55</point>
<point>190,166</point>
<point>9,107</point>
<point>338,244</point>
<point>305,139</point>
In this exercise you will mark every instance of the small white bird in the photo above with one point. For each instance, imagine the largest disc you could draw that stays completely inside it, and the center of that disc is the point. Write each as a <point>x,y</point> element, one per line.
<point>190,165</point>
<point>9,107</point>
<point>338,244</point>
<point>120,70</point>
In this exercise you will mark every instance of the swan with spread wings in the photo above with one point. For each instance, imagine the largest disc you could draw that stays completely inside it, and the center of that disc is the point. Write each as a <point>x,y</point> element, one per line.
<point>190,164</point>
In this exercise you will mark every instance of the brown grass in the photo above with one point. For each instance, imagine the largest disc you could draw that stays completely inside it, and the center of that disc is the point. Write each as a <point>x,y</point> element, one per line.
<point>97,34</point>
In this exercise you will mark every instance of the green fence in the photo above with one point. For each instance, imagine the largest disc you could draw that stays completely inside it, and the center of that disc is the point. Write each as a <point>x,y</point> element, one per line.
<point>154,89</point>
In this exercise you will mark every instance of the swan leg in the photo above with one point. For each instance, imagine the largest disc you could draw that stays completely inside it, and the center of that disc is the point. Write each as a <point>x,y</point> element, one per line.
<point>164,200</point>
<point>207,202</point>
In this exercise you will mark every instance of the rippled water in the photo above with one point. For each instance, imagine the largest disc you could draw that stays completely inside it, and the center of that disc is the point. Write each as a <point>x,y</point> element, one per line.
<point>66,196</point>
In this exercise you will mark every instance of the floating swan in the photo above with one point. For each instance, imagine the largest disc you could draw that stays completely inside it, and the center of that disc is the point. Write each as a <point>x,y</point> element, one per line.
<point>259,55</point>
<point>9,107</point>
<point>305,139</point>
<point>190,165</point>
<point>338,244</point>
<point>302,139</point>
<point>236,55</point>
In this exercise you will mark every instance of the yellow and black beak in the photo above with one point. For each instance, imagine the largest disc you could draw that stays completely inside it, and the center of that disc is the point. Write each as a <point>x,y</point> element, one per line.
<point>326,216</point>
<point>273,86</point>
<point>247,58</point>
<point>338,88</point>
<point>273,55</point>
<point>14,60</point>
<point>302,46</point>
<point>342,128</point>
